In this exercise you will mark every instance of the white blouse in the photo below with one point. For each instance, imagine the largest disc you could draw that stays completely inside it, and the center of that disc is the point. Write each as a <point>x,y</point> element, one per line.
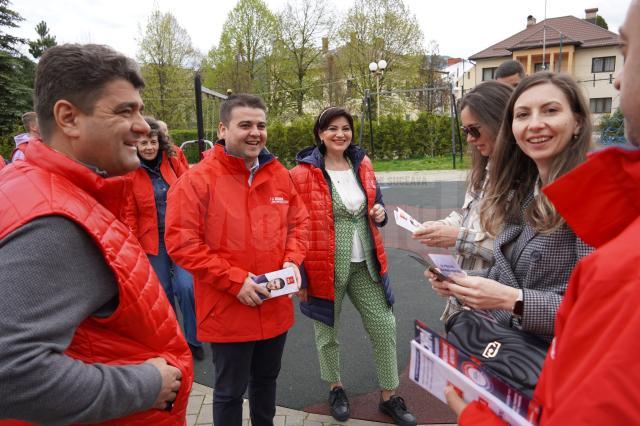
<point>352,197</point>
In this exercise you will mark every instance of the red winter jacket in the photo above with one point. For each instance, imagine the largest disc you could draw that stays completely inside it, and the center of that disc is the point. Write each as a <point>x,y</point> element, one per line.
<point>591,373</point>
<point>140,209</point>
<point>144,325</point>
<point>219,228</point>
<point>313,186</point>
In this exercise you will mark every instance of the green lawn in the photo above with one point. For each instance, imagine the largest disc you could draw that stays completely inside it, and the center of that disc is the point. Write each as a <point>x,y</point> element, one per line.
<point>427,163</point>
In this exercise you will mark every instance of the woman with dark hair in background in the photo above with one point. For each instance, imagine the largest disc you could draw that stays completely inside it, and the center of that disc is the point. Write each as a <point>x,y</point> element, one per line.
<point>481,112</point>
<point>346,256</point>
<point>160,167</point>
<point>545,134</point>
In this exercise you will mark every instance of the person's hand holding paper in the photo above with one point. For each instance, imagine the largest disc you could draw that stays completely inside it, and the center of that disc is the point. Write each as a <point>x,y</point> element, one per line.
<point>482,293</point>
<point>436,234</point>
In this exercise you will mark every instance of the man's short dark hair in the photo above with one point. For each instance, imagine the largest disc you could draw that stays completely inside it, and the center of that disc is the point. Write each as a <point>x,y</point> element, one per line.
<point>239,100</point>
<point>509,68</point>
<point>78,74</point>
<point>28,119</point>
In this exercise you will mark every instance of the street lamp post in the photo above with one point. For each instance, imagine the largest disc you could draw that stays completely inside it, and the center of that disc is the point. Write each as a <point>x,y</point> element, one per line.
<point>377,69</point>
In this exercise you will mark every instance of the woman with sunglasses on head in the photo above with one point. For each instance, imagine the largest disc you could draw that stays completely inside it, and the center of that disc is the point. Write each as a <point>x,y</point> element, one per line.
<point>481,113</point>
<point>346,256</point>
<point>545,134</point>
<point>160,167</point>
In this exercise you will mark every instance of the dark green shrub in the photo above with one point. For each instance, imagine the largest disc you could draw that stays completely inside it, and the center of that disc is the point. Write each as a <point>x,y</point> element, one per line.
<point>394,138</point>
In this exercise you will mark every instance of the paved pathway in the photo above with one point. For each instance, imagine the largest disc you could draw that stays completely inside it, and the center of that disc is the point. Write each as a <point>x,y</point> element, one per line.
<point>421,176</point>
<point>200,411</point>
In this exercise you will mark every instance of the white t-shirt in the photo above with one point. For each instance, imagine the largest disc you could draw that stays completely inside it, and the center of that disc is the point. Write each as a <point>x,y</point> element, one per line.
<point>352,197</point>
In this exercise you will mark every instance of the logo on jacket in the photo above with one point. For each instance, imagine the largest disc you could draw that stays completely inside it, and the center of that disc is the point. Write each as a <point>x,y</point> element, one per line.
<point>279,200</point>
<point>491,350</point>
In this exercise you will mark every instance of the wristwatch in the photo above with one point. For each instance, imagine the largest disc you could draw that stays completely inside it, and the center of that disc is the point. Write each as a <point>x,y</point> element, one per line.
<point>518,307</point>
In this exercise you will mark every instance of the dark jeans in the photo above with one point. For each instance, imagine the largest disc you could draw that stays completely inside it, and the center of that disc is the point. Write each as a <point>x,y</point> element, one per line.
<point>238,365</point>
<point>177,283</point>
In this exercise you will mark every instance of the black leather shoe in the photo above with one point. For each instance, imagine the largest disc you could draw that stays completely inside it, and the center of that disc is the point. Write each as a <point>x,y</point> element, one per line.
<point>197,352</point>
<point>339,404</point>
<point>397,410</point>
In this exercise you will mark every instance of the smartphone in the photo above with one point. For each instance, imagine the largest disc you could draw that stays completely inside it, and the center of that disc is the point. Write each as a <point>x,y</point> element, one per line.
<point>430,267</point>
<point>439,275</point>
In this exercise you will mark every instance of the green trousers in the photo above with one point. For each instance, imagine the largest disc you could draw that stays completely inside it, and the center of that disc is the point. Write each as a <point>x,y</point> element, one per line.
<point>378,320</point>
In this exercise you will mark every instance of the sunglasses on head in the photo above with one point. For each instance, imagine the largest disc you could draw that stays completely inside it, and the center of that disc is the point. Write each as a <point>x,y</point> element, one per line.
<point>471,130</point>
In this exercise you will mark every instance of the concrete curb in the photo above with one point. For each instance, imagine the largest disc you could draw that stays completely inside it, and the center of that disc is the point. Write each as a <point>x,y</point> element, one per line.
<point>421,176</point>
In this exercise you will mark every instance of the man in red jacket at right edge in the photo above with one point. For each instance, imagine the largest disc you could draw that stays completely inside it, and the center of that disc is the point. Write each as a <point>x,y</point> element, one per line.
<point>591,373</point>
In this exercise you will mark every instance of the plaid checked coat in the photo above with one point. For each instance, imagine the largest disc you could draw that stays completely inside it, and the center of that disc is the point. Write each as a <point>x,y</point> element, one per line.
<point>540,265</point>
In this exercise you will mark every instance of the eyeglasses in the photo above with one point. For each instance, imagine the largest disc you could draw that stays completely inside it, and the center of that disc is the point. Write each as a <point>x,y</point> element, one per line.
<point>473,130</point>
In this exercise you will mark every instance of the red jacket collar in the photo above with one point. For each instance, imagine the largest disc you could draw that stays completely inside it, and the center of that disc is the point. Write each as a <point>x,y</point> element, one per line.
<point>601,197</point>
<point>107,191</point>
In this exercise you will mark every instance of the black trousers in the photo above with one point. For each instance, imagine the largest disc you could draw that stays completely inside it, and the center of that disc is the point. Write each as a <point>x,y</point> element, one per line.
<point>255,365</point>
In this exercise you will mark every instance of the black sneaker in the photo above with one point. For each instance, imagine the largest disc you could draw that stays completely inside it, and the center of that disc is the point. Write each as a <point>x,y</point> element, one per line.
<point>397,410</point>
<point>197,352</point>
<point>339,404</point>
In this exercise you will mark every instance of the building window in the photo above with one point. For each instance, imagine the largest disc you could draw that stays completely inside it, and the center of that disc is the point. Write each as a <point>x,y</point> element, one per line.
<point>600,105</point>
<point>468,75</point>
<point>603,64</point>
<point>538,67</point>
<point>488,73</point>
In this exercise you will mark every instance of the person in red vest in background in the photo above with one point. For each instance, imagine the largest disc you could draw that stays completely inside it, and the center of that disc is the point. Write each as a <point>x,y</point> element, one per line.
<point>32,131</point>
<point>591,373</point>
<point>86,333</point>
<point>161,164</point>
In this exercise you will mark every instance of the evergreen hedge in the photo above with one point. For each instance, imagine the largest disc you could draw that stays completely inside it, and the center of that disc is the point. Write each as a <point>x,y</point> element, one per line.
<point>394,138</point>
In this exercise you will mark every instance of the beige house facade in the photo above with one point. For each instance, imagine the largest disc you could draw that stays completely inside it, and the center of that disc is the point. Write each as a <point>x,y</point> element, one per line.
<point>565,44</point>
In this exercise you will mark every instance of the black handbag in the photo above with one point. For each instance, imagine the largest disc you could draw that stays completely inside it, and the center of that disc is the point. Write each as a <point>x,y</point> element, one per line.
<point>512,354</point>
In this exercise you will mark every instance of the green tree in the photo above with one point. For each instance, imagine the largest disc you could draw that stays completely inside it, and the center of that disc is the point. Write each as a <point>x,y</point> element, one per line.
<point>168,60</point>
<point>301,26</point>
<point>431,76</point>
<point>374,30</point>
<point>45,40</point>
<point>601,22</point>
<point>239,61</point>
<point>16,78</point>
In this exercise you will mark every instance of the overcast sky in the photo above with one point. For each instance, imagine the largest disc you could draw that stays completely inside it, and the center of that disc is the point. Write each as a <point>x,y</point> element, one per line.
<point>461,28</point>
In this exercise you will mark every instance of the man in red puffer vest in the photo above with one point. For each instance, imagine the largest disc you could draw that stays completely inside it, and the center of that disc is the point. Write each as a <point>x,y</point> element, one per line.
<point>86,332</point>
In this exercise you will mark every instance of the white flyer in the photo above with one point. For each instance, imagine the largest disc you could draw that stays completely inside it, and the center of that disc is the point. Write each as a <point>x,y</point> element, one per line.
<point>278,283</point>
<point>404,220</point>
<point>433,374</point>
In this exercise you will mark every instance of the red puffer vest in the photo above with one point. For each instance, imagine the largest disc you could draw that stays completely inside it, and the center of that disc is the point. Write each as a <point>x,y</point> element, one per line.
<point>144,325</point>
<point>313,188</point>
<point>140,209</point>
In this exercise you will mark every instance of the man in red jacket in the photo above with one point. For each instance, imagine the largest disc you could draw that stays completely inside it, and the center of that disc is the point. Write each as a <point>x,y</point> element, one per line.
<point>591,373</point>
<point>86,332</point>
<point>233,216</point>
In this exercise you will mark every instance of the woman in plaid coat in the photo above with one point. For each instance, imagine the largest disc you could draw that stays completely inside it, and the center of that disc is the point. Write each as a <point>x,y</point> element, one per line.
<point>546,133</point>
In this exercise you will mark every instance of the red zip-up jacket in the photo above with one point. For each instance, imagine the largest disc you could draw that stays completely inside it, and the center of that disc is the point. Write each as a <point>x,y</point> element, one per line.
<point>591,373</point>
<point>140,209</point>
<point>219,228</point>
